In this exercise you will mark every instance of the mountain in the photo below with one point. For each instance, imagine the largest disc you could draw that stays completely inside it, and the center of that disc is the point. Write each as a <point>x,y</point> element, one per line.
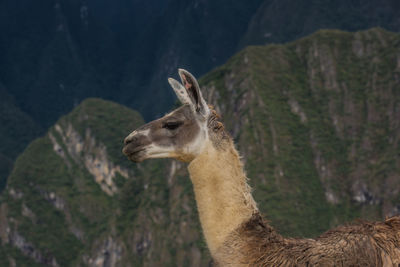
<point>16,132</point>
<point>73,199</point>
<point>316,122</point>
<point>54,55</point>
<point>59,52</point>
<point>284,21</point>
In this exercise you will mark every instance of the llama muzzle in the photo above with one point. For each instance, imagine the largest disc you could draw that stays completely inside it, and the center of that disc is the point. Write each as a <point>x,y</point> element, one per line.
<point>135,147</point>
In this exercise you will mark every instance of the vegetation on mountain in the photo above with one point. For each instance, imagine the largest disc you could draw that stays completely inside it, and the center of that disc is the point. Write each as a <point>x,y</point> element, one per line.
<point>324,112</point>
<point>73,199</point>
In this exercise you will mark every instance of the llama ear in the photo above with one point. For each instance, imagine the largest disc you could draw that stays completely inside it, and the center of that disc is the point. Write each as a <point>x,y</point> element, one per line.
<point>193,91</point>
<point>180,91</point>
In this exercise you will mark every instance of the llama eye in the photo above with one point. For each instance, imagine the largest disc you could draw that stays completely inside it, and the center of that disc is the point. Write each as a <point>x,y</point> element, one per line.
<point>172,125</point>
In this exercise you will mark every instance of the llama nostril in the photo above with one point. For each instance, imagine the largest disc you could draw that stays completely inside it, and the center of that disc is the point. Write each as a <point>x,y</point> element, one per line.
<point>127,140</point>
<point>130,139</point>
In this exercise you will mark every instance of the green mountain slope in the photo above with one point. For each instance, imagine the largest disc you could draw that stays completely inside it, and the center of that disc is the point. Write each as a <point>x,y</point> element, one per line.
<point>73,199</point>
<point>316,122</point>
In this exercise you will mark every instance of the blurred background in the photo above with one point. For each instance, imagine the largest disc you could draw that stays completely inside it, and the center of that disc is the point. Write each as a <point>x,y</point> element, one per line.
<point>309,90</point>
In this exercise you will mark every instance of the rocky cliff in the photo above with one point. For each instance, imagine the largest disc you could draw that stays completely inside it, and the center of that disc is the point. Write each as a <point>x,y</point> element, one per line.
<point>316,122</point>
<point>73,199</point>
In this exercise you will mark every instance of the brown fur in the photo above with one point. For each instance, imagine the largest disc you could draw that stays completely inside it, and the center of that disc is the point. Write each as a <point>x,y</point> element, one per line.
<point>255,243</point>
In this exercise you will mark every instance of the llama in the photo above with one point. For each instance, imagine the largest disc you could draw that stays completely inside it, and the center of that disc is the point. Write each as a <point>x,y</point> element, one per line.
<point>234,230</point>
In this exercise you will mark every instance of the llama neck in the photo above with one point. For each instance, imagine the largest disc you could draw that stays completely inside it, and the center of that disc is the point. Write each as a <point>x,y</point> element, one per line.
<point>222,194</point>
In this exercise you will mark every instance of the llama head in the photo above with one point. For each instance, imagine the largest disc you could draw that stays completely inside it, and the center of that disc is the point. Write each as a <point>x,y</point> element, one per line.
<point>181,134</point>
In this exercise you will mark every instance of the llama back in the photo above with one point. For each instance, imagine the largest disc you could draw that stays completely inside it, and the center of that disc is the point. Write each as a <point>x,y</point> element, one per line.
<point>361,244</point>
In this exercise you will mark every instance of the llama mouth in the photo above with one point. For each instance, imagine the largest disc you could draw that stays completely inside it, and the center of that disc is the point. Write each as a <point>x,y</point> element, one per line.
<point>136,159</point>
<point>135,155</point>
